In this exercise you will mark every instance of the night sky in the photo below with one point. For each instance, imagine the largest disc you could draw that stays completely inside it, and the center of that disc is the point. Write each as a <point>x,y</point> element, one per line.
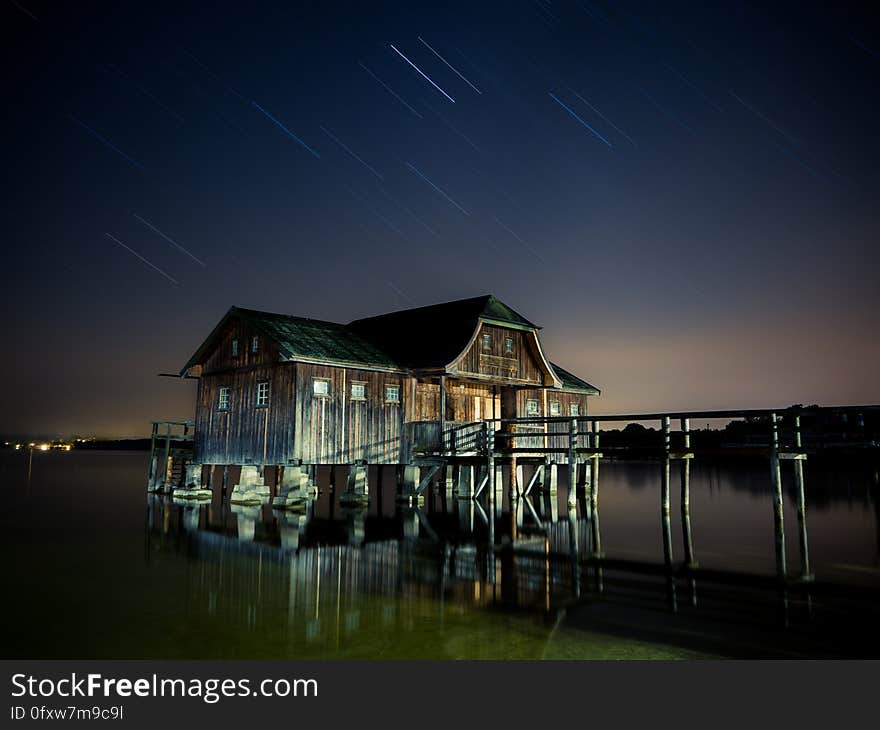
<point>684,195</point>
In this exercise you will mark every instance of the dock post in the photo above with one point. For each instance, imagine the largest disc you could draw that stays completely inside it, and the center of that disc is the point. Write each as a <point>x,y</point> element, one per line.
<point>594,469</point>
<point>686,430</point>
<point>776,479</point>
<point>667,436</point>
<point>518,484</point>
<point>664,510</point>
<point>151,476</point>
<point>167,469</point>
<point>573,550</point>
<point>442,414</point>
<point>357,492</point>
<point>689,559</point>
<point>802,502</point>
<point>667,525</point>
<point>465,486</point>
<point>596,536</point>
<point>448,480</point>
<point>802,520</point>
<point>572,463</point>
<point>489,435</point>
<point>550,478</point>
<point>499,485</point>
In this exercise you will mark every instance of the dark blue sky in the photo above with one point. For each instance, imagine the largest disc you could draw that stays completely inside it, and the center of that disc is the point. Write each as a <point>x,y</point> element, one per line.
<point>684,195</point>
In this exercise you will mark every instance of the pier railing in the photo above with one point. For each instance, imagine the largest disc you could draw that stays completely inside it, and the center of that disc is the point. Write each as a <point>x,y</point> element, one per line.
<point>167,438</point>
<point>764,429</point>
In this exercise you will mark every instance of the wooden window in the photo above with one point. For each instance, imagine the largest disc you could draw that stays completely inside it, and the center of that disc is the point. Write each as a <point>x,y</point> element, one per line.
<point>533,407</point>
<point>358,391</point>
<point>487,341</point>
<point>508,345</point>
<point>263,393</point>
<point>223,398</point>
<point>392,394</point>
<point>255,344</point>
<point>555,408</point>
<point>321,387</point>
<point>235,348</point>
<point>574,410</point>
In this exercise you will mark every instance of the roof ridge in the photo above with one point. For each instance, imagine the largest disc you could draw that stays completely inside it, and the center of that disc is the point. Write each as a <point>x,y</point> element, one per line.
<point>408,310</point>
<point>296,317</point>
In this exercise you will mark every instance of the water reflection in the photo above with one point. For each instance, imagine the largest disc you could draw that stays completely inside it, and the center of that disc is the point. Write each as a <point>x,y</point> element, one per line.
<point>441,578</point>
<point>332,567</point>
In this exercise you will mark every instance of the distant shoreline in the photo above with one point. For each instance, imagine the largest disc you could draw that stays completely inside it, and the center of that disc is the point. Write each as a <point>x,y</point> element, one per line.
<point>136,444</point>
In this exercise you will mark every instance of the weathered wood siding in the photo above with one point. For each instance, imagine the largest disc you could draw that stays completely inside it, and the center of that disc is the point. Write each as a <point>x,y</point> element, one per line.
<point>221,358</point>
<point>297,424</point>
<point>334,429</point>
<point>245,433</point>
<point>494,363</point>
<point>465,401</point>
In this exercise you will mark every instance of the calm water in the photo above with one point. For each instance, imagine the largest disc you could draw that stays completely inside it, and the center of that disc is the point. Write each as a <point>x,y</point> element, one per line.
<point>96,568</point>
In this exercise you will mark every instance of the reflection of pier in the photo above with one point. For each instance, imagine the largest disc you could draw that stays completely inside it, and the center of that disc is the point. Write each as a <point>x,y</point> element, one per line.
<point>316,579</point>
<point>331,548</point>
<point>323,571</point>
<point>528,460</point>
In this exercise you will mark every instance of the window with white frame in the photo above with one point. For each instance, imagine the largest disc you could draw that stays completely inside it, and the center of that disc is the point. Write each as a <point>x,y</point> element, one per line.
<point>508,345</point>
<point>223,398</point>
<point>392,394</point>
<point>321,387</point>
<point>358,391</point>
<point>255,344</point>
<point>533,407</point>
<point>263,393</point>
<point>487,341</point>
<point>555,408</point>
<point>235,348</point>
<point>574,409</point>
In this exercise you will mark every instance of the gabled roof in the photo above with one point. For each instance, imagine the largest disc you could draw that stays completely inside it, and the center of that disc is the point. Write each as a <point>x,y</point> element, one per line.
<point>424,338</point>
<point>573,382</point>
<point>301,338</point>
<point>434,336</point>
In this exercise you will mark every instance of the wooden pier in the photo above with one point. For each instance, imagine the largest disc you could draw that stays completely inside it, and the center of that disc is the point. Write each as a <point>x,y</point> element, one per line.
<point>475,460</point>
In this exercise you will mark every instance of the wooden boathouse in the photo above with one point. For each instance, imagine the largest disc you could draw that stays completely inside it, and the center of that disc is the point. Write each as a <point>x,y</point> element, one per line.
<point>277,393</point>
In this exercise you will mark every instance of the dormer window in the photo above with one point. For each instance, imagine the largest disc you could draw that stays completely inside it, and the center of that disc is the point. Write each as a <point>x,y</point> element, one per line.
<point>508,345</point>
<point>235,348</point>
<point>255,344</point>
<point>487,341</point>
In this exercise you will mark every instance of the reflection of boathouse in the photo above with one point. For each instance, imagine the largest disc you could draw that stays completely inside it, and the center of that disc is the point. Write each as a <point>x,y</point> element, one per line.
<point>317,573</point>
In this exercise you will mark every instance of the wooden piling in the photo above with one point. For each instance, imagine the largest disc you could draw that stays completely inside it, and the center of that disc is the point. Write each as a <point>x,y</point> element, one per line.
<point>664,511</point>
<point>802,520</point>
<point>572,462</point>
<point>594,469</point>
<point>776,480</point>
<point>151,475</point>
<point>689,557</point>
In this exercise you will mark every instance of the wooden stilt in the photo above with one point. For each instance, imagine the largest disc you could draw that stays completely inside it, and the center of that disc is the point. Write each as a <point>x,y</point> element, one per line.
<point>776,480</point>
